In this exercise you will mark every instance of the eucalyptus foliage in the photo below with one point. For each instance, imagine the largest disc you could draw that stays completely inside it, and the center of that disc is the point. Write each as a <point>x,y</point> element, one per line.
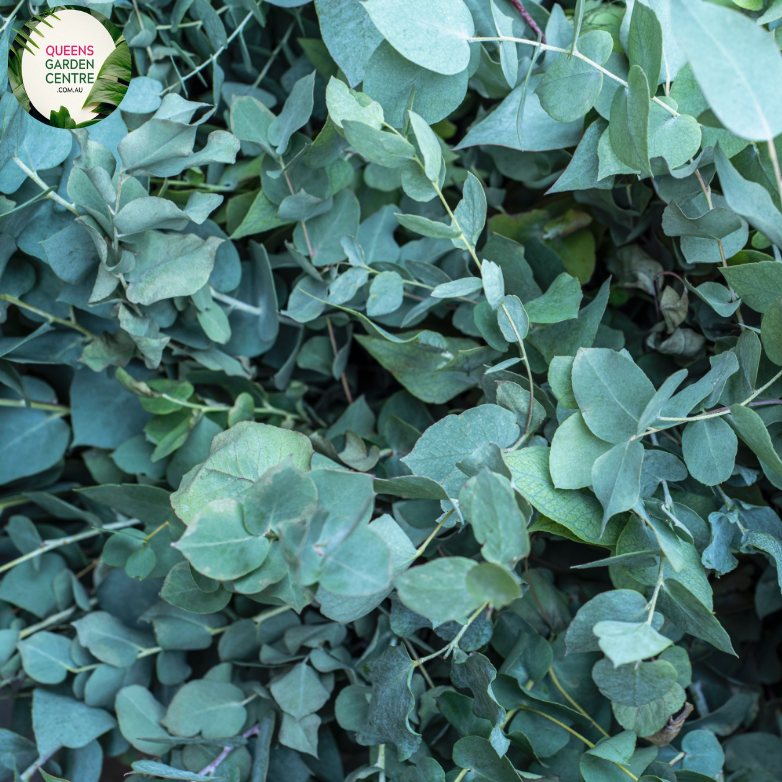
<point>391,390</point>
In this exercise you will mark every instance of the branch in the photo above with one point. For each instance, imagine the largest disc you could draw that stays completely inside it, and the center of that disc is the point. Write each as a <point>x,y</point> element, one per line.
<point>528,19</point>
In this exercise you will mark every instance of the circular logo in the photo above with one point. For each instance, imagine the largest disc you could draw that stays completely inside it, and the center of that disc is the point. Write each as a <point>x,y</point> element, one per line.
<point>69,67</point>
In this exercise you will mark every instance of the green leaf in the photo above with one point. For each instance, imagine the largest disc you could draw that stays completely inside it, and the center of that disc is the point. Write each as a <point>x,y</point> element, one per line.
<point>740,84</point>
<point>433,36</point>
<point>139,714</point>
<point>617,749</point>
<point>645,43</point>
<point>492,584</point>
<point>759,285</point>
<point>46,657</point>
<point>377,146</point>
<point>397,83</point>
<point>299,692</point>
<point>109,640</point>
<point>582,172</point>
<point>166,772</point>
<point>385,294</point>
<point>420,365</point>
<point>282,493</point>
<point>560,373</point>
<point>428,144</point>
<point>676,139</point>
<point>709,448</point>
<point>509,57</point>
<point>237,459</point>
<point>489,501</point>
<point>753,432</point>
<point>427,227</point>
<point>438,590</point>
<point>361,566</point>
<point>179,589</point>
<point>457,288</point>
<point>616,478</point>
<point>771,332</point>
<point>454,438</point>
<point>512,319</point>
<point>323,242</point>
<point>346,104</point>
<point>295,113</point>
<point>211,708</point>
<point>470,212</point>
<point>629,642</point>
<point>683,608</point>
<point>217,543</point>
<point>749,199</point>
<point>473,752</point>
<point>60,721</point>
<point>652,717</point>
<point>579,513</point>
<point>612,392</point>
<point>629,127</point>
<point>631,685</point>
<point>349,35</point>
<point>392,704</point>
<point>570,86</point>
<point>560,302</point>
<point>574,450</point>
<point>704,753</point>
<point>715,224</point>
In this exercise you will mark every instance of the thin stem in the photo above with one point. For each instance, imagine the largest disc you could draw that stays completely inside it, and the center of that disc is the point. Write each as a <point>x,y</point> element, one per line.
<point>51,194</point>
<point>261,618</point>
<point>211,630</point>
<point>420,550</point>
<point>212,767</point>
<point>733,297</point>
<point>570,700</point>
<point>657,587</point>
<point>528,19</point>
<point>527,366</point>
<point>673,761</point>
<point>53,620</point>
<point>763,388</point>
<point>49,317</point>
<point>414,656</point>
<point>266,409</point>
<point>727,500</point>
<point>152,534</point>
<point>336,353</point>
<point>213,58</point>
<point>273,55</point>
<point>577,735</point>
<point>576,53</point>
<point>381,762</point>
<point>303,222</point>
<point>462,774</point>
<point>446,650</point>
<point>561,725</point>
<point>50,545</point>
<point>462,235</point>
<point>748,402</point>
<point>11,15</point>
<point>27,775</point>
<point>772,152</point>
<point>61,409</point>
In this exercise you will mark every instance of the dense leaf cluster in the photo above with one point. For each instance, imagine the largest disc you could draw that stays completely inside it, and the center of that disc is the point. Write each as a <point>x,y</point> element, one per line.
<point>391,390</point>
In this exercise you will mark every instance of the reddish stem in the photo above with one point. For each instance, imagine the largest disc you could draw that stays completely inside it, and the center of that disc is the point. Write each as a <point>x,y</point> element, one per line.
<point>529,20</point>
<point>212,767</point>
